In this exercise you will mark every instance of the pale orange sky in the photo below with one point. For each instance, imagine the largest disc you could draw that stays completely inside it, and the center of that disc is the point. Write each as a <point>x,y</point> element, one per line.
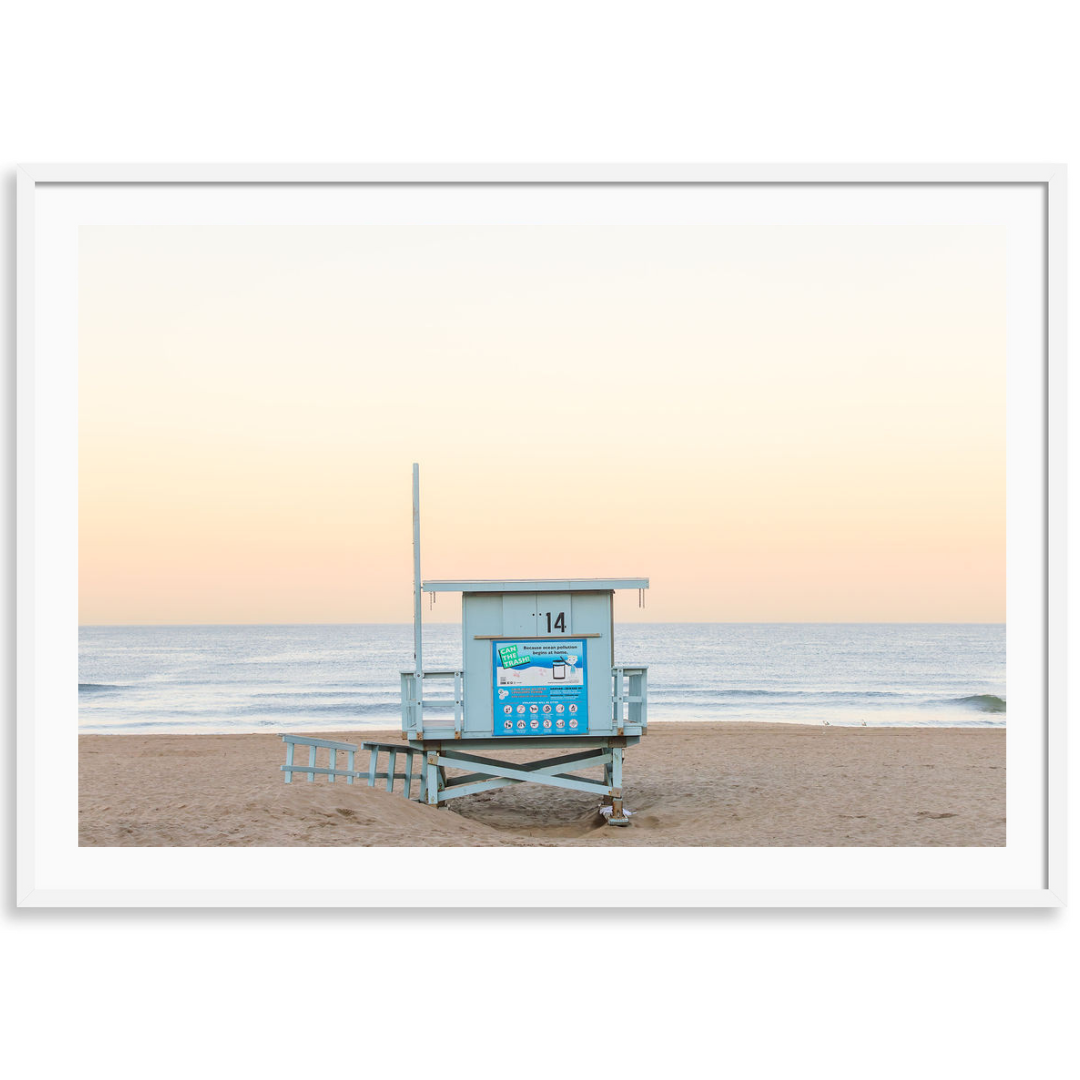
<point>773,423</point>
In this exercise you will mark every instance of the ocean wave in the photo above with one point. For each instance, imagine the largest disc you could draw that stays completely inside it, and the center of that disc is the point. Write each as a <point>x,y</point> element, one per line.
<point>364,694</point>
<point>98,688</point>
<point>787,696</point>
<point>334,707</point>
<point>778,700</point>
<point>981,702</point>
<point>237,725</point>
<point>828,695</point>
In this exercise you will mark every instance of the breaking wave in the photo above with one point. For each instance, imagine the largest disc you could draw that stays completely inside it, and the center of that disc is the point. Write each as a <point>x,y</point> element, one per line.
<point>982,702</point>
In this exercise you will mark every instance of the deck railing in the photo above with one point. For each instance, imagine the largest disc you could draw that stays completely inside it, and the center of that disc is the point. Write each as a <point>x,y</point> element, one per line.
<point>415,699</point>
<point>629,694</point>
<point>628,697</point>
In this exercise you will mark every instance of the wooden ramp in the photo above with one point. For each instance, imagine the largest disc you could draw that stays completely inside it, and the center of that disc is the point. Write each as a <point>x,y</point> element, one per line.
<point>332,772</point>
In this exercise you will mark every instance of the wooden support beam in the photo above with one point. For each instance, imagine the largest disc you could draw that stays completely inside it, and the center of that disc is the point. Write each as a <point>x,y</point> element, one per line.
<point>505,769</point>
<point>303,740</point>
<point>564,760</point>
<point>431,768</point>
<point>553,765</point>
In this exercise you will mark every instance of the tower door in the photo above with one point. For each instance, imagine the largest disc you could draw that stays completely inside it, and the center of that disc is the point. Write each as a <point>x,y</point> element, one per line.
<point>536,615</point>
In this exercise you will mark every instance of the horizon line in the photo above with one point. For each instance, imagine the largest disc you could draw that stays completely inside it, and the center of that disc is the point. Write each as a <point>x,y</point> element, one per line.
<point>664,622</point>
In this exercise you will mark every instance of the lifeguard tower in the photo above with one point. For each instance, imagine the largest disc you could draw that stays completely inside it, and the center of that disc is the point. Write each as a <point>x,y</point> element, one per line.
<point>538,672</point>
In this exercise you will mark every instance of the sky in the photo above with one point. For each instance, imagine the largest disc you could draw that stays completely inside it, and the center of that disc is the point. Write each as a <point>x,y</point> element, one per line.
<point>773,423</point>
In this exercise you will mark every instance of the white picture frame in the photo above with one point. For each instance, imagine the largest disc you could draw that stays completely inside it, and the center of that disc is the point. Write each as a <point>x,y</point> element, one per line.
<point>53,871</point>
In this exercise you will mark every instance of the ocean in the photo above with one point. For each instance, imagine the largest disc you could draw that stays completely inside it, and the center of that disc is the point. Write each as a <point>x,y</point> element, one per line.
<point>142,679</point>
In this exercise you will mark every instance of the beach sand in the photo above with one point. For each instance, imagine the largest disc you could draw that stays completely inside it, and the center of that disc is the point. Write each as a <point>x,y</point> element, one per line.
<point>714,785</point>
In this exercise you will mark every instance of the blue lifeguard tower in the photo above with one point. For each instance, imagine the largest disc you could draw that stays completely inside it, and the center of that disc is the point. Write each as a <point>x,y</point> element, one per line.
<point>538,672</point>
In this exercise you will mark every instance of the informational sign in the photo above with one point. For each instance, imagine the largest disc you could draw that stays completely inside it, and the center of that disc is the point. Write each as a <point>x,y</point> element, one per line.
<point>540,687</point>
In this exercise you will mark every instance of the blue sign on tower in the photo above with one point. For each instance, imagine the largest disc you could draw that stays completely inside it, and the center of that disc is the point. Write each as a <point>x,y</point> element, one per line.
<point>540,687</point>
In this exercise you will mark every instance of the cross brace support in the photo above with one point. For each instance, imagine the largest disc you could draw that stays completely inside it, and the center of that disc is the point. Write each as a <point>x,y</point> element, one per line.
<point>487,774</point>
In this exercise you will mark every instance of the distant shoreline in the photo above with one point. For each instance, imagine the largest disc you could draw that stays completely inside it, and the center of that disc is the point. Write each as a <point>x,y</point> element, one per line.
<point>634,622</point>
<point>379,730</point>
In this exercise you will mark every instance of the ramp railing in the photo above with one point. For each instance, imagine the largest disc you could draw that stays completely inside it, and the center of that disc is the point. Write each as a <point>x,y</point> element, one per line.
<point>350,749</point>
<point>313,745</point>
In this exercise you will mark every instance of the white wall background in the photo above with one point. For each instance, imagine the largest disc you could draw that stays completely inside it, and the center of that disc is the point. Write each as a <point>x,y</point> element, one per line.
<point>771,993</point>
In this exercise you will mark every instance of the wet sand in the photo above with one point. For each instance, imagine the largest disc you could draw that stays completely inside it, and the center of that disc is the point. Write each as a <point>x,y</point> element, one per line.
<point>713,785</point>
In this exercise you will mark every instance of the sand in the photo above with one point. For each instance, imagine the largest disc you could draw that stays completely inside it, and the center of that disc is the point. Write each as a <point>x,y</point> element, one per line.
<point>715,785</point>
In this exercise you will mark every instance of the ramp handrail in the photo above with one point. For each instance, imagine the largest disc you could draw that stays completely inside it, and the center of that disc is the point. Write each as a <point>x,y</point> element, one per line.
<point>392,750</point>
<point>292,741</point>
<point>375,748</point>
